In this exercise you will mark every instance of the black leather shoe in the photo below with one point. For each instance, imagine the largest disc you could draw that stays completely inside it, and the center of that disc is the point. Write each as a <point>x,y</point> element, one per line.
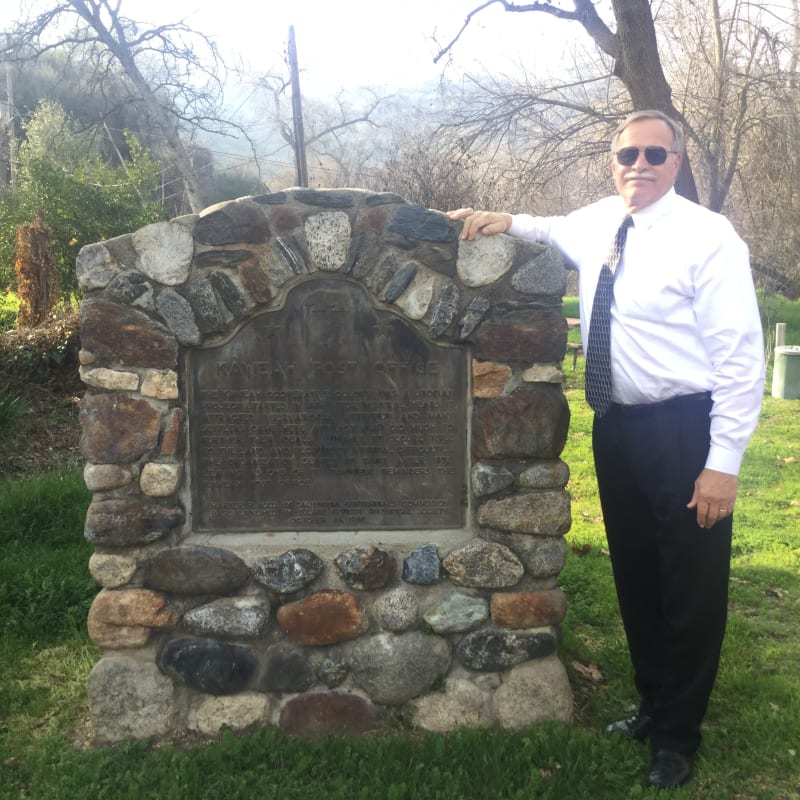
<point>669,769</point>
<point>634,727</point>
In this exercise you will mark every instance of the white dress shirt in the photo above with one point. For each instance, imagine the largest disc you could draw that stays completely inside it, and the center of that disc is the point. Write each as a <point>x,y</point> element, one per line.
<point>684,317</point>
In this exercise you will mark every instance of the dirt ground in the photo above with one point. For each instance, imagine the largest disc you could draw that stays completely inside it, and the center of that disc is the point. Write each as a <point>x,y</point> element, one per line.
<point>40,366</point>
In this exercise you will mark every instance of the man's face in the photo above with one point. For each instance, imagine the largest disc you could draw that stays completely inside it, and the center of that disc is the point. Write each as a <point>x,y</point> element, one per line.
<point>641,183</point>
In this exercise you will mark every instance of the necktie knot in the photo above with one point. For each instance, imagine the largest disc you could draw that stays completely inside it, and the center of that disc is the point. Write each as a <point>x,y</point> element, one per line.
<point>598,350</point>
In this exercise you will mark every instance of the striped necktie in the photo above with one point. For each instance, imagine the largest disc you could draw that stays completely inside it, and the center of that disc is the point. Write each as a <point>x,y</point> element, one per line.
<point>598,350</point>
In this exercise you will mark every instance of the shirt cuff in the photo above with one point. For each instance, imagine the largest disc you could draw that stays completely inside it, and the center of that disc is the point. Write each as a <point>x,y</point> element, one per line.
<point>723,460</point>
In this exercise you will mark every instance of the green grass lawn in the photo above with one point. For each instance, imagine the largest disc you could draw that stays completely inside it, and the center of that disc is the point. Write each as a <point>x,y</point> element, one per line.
<point>751,749</point>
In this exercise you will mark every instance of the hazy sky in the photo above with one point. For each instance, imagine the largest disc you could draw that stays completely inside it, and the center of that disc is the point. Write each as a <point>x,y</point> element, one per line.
<point>359,42</point>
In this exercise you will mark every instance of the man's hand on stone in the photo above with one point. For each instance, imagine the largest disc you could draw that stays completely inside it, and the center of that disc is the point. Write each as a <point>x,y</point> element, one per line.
<point>486,222</point>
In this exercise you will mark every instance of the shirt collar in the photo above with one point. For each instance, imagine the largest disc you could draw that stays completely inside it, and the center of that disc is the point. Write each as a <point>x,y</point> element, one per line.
<point>649,215</point>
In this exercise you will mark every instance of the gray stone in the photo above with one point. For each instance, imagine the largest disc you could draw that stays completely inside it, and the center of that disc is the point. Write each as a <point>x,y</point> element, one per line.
<point>330,198</point>
<point>416,222</point>
<point>292,256</point>
<point>229,618</point>
<point>230,222</point>
<point>471,318</point>
<point>105,477</point>
<point>534,692</point>
<point>208,665</point>
<point>422,566</point>
<point>229,292</point>
<point>177,312</point>
<point>542,274</point>
<point>542,556</point>
<point>487,479</point>
<point>328,237</point>
<point>129,699</point>
<point>290,571</point>
<point>393,669</point>
<point>493,650</point>
<point>444,311</point>
<point>545,475</point>
<point>126,522</point>
<point>400,282</point>
<point>461,705</point>
<point>545,513</point>
<point>286,669</point>
<point>131,288</point>
<point>416,301</point>
<point>195,570</point>
<point>95,267</point>
<point>482,564</point>
<point>221,258</point>
<point>397,610</point>
<point>457,613</point>
<point>331,668</point>
<point>207,313</point>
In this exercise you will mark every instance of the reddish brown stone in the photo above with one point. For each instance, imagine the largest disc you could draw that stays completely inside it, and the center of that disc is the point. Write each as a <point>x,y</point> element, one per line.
<point>528,609</point>
<point>255,281</point>
<point>531,422</point>
<point>117,429</point>
<point>126,607</point>
<point>116,637</point>
<point>489,378</point>
<point>126,336</point>
<point>284,220</point>
<point>328,712</point>
<point>171,435</point>
<point>526,335</point>
<point>324,617</point>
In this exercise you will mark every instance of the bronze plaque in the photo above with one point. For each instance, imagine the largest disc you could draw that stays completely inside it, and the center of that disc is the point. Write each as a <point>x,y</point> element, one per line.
<point>327,414</point>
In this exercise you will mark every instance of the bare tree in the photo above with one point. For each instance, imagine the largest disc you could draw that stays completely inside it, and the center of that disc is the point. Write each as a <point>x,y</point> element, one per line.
<point>174,71</point>
<point>633,50</point>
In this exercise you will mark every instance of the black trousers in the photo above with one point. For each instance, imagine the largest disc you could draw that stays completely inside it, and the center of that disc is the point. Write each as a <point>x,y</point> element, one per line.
<point>671,575</point>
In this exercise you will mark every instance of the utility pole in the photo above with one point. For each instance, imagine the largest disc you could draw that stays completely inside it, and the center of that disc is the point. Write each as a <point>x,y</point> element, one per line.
<point>9,121</point>
<point>300,161</point>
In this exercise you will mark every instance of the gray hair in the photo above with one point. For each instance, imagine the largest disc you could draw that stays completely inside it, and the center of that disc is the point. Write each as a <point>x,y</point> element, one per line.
<point>677,131</point>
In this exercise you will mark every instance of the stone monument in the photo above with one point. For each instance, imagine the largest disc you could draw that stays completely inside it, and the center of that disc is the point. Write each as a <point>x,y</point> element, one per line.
<point>322,436</point>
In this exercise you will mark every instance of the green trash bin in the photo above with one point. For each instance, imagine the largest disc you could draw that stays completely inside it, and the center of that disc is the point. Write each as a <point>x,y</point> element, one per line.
<point>786,373</point>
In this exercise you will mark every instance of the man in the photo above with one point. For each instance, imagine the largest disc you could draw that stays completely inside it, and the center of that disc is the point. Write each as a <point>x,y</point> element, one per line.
<point>686,381</point>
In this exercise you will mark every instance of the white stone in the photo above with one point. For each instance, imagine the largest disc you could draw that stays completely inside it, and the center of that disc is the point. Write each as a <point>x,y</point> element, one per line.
<point>159,480</point>
<point>543,373</point>
<point>460,705</point>
<point>161,384</point>
<point>165,251</point>
<point>484,260</point>
<point>111,571</point>
<point>328,237</point>
<point>236,712</point>
<point>534,692</point>
<point>111,379</point>
<point>416,300</point>
<point>129,699</point>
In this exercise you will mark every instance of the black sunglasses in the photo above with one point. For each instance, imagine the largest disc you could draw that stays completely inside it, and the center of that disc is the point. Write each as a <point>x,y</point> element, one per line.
<point>656,156</point>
